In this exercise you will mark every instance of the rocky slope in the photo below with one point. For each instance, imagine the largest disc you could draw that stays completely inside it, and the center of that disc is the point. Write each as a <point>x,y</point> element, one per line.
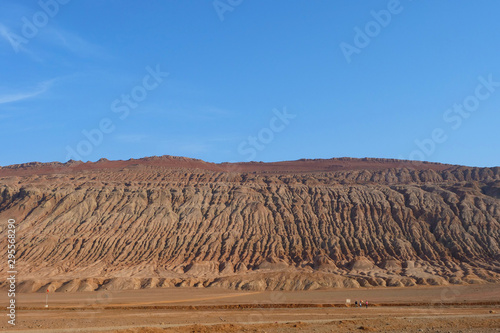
<point>171,221</point>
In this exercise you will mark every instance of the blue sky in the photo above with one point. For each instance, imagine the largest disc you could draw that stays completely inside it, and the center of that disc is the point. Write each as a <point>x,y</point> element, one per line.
<point>250,80</point>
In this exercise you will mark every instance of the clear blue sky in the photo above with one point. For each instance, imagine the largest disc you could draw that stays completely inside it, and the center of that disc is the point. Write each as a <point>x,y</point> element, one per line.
<point>234,66</point>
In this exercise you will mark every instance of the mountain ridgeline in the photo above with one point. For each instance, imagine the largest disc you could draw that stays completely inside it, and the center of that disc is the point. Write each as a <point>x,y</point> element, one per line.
<point>307,224</point>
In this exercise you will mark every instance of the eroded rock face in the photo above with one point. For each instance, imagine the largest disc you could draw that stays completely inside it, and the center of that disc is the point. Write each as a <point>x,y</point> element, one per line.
<point>167,221</point>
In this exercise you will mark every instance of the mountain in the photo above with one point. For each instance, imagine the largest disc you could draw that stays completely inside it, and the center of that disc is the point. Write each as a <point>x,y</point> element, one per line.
<point>306,224</point>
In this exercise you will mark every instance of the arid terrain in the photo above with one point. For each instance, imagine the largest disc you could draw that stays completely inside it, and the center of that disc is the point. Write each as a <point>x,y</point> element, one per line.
<point>464,308</point>
<point>170,244</point>
<point>167,221</point>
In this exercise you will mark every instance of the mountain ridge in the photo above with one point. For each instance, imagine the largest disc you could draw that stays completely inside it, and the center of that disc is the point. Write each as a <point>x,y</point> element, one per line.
<point>292,225</point>
<point>253,166</point>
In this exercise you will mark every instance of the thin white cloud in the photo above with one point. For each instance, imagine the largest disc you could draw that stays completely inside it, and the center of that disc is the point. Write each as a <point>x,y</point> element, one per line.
<point>16,43</point>
<point>72,42</point>
<point>6,34</point>
<point>56,36</point>
<point>19,96</point>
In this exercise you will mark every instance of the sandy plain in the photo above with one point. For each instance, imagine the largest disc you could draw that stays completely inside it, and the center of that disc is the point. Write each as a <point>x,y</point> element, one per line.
<point>464,308</point>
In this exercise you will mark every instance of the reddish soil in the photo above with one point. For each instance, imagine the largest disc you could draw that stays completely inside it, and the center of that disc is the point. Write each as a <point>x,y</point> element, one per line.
<point>207,310</point>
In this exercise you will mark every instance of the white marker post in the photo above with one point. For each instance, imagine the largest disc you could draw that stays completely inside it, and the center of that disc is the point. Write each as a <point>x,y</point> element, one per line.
<point>47,299</point>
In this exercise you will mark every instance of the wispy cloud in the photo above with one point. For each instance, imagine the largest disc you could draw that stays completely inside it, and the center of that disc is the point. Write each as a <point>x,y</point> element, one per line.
<point>10,37</point>
<point>22,95</point>
<point>57,37</point>
<point>5,33</point>
<point>73,43</point>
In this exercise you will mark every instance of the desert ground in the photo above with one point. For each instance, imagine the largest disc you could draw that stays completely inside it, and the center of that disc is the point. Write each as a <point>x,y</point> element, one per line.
<point>465,308</point>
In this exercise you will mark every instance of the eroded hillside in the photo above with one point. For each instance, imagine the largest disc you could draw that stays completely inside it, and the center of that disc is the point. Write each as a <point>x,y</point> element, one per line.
<point>305,224</point>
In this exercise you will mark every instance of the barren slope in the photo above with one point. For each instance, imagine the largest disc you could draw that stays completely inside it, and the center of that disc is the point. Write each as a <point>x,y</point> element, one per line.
<point>305,224</point>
